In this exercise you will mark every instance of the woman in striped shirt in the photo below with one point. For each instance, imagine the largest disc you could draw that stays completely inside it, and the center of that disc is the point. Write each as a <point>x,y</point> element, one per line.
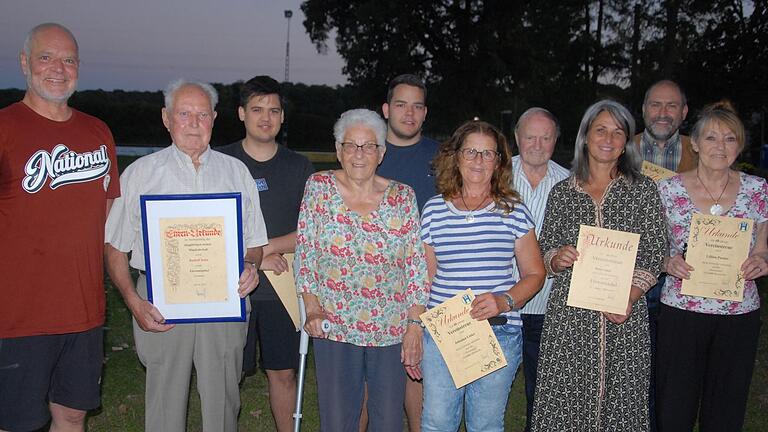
<point>475,231</point>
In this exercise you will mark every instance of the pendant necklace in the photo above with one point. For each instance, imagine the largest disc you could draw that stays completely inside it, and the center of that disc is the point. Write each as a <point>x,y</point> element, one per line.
<point>716,209</point>
<point>470,217</point>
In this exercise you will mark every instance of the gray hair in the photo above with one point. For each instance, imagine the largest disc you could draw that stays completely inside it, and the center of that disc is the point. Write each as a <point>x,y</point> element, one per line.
<point>170,92</point>
<point>538,110</point>
<point>45,26</point>
<point>683,99</point>
<point>363,117</point>
<point>630,160</point>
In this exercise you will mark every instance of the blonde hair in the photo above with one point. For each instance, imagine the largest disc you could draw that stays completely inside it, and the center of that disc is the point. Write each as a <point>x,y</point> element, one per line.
<point>721,112</point>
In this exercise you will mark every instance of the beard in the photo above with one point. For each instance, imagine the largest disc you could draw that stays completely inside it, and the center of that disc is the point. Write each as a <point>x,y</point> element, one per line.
<point>45,94</point>
<point>665,133</point>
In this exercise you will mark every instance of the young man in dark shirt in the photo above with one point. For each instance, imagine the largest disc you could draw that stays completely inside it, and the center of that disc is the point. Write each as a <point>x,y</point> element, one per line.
<point>409,160</point>
<point>280,175</point>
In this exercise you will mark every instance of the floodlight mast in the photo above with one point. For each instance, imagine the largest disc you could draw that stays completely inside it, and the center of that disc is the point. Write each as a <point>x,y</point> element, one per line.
<point>288,14</point>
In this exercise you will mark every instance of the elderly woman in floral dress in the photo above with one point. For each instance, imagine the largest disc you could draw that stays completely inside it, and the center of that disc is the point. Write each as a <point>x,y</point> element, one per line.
<point>361,268</point>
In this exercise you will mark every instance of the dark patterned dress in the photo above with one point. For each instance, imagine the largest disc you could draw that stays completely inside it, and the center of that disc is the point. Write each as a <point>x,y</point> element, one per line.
<point>593,374</point>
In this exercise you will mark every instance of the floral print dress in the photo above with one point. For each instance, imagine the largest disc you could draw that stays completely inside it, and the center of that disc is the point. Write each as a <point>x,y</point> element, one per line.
<point>751,202</point>
<point>366,270</point>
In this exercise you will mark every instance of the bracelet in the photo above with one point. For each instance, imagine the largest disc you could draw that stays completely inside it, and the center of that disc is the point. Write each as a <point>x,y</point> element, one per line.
<point>414,321</point>
<point>250,262</point>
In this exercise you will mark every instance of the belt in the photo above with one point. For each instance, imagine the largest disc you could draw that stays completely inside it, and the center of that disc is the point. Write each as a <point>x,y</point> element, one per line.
<point>497,320</point>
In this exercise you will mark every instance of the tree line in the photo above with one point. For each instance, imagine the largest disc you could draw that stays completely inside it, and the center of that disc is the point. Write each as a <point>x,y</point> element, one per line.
<point>493,59</point>
<point>134,116</point>
<point>484,57</point>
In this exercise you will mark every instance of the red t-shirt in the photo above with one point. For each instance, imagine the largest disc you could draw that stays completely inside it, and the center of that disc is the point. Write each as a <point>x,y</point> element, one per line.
<point>55,179</point>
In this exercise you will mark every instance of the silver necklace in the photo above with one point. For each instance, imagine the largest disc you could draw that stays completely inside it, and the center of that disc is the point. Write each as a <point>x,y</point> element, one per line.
<point>716,209</point>
<point>470,217</point>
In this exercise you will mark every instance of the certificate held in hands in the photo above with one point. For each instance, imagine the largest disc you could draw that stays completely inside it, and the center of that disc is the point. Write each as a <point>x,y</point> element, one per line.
<point>717,246</point>
<point>656,172</point>
<point>602,275</point>
<point>469,347</point>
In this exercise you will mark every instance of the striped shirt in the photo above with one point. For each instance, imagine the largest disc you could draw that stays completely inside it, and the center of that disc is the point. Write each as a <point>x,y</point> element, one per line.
<point>536,201</point>
<point>669,157</point>
<point>477,254</point>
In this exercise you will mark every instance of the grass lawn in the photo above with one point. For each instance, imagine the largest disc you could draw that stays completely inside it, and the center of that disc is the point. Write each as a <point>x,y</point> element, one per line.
<point>123,386</point>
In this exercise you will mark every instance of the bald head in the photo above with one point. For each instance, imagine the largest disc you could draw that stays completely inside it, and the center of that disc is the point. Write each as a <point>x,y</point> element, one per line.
<point>47,26</point>
<point>50,64</point>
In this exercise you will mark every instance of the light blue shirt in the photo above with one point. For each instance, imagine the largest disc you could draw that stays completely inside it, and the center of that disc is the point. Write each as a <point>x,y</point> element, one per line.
<point>536,201</point>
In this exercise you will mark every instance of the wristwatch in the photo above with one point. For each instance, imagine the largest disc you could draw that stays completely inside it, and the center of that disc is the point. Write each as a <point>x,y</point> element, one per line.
<point>510,301</point>
<point>414,321</point>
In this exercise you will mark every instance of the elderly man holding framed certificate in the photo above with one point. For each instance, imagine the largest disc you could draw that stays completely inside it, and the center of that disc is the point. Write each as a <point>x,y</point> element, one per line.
<point>183,247</point>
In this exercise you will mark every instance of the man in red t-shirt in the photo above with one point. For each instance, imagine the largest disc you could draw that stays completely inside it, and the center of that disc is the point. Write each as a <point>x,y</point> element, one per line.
<point>58,177</point>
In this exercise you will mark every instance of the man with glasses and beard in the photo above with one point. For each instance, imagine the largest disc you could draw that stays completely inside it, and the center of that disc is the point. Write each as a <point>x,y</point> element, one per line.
<point>664,109</point>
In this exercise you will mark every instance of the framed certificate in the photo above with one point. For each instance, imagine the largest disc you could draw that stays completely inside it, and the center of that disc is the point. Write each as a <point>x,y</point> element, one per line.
<point>193,252</point>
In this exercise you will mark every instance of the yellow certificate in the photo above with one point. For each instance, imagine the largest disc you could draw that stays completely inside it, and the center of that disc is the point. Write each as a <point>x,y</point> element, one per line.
<point>602,275</point>
<point>469,347</point>
<point>656,172</point>
<point>193,252</point>
<point>285,287</point>
<point>717,247</point>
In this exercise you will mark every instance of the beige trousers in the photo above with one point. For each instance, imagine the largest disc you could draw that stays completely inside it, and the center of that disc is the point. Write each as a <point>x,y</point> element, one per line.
<point>216,352</point>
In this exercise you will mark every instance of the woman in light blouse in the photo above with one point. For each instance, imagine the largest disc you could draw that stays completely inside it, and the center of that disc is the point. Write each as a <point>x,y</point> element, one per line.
<point>707,346</point>
<point>361,268</point>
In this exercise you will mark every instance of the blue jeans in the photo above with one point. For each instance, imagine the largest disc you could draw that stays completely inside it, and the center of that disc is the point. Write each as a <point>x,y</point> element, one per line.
<point>484,400</point>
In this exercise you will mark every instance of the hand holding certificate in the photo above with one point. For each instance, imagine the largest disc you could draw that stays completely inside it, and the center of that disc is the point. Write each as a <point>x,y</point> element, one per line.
<point>717,246</point>
<point>602,276</point>
<point>469,347</point>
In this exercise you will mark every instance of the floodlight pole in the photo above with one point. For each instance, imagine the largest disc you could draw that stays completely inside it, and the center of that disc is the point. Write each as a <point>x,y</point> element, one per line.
<point>288,14</point>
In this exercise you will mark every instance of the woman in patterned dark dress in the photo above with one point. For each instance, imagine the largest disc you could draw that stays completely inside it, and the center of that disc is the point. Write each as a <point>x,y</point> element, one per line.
<point>594,366</point>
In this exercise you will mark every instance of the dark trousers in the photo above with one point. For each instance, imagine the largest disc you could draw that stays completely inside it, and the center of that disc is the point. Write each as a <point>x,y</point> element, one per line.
<point>249,350</point>
<point>705,365</point>
<point>342,370</point>
<point>653,298</point>
<point>532,325</point>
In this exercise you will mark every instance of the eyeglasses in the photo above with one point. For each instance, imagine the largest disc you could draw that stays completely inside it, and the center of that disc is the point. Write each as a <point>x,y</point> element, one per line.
<point>368,148</point>
<point>470,154</point>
